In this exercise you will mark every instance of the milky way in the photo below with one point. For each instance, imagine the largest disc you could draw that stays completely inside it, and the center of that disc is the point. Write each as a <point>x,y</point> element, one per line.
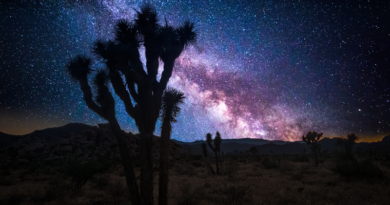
<point>260,69</point>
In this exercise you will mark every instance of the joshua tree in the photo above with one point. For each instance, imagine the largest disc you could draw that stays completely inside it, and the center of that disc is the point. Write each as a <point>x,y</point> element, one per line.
<point>216,148</point>
<point>312,138</point>
<point>169,110</point>
<point>205,154</point>
<point>122,62</point>
<point>347,143</point>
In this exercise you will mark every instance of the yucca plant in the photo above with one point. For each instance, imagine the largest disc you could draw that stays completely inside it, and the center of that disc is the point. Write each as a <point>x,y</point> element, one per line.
<point>138,88</point>
<point>171,101</point>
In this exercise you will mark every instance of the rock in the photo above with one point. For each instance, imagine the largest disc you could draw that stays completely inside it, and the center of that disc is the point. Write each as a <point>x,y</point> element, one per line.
<point>67,148</point>
<point>82,141</point>
<point>19,145</point>
<point>55,151</point>
<point>35,139</point>
<point>22,153</point>
<point>64,142</point>
<point>91,134</point>
<point>37,147</point>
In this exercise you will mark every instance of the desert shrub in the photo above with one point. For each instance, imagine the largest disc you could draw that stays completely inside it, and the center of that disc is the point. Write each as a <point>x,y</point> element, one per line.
<point>184,170</point>
<point>100,182</point>
<point>229,195</point>
<point>6,181</point>
<point>80,172</point>
<point>344,167</point>
<point>196,164</point>
<point>188,195</point>
<point>348,167</point>
<point>270,163</point>
<point>300,158</point>
<point>117,188</point>
<point>36,196</point>
<point>299,174</point>
<point>286,167</point>
<point>231,168</point>
<point>236,195</point>
<point>368,169</point>
<point>16,197</point>
<point>54,192</point>
<point>6,171</point>
<point>197,157</point>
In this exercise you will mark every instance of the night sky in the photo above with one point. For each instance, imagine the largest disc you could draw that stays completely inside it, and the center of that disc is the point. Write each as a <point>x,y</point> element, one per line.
<point>260,69</point>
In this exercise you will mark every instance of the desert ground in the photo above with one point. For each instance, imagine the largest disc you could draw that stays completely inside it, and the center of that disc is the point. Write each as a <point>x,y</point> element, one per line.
<point>244,179</point>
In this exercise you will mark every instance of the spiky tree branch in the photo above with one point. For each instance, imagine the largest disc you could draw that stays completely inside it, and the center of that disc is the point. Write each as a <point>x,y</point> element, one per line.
<point>170,108</point>
<point>138,89</point>
<point>104,106</point>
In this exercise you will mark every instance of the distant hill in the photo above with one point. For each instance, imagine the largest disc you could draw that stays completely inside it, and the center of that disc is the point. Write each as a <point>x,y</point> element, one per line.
<point>56,133</point>
<point>7,139</point>
<point>277,147</point>
<point>228,145</point>
<point>249,141</point>
<point>50,134</point>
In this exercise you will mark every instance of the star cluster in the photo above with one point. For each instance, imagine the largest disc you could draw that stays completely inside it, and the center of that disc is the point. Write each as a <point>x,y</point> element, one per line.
<point>260,69</point>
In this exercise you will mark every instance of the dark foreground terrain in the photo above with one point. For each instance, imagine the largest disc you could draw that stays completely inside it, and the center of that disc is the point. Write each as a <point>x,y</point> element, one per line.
<point>84,168</point>
<point>244,181</point>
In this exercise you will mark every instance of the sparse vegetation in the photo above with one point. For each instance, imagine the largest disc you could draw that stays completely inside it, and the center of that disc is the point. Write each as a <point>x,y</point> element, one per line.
<point>294,182</point>
<point>80,172</point>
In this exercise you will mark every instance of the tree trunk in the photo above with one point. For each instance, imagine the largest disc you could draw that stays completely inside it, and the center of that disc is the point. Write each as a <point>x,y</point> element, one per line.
<point>126,162</point>
<point>146,189</point>
<point>209,166</point>
<point>216,162</point>
<point>164,163</point>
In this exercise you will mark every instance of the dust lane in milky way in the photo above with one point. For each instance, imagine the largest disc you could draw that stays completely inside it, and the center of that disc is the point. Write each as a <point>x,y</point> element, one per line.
<point>269,69</point>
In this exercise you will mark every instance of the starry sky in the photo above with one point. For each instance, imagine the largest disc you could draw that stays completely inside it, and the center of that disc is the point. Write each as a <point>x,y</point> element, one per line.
<point>260,69</point>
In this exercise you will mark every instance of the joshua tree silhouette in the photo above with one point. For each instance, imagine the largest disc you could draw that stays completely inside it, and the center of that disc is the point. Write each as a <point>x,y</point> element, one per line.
<point>205,154</point>
<point>170,108</point>
<point>312,138</point>
<point>122,60</point>
<point>347,143</point>
<point>216,148</point>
